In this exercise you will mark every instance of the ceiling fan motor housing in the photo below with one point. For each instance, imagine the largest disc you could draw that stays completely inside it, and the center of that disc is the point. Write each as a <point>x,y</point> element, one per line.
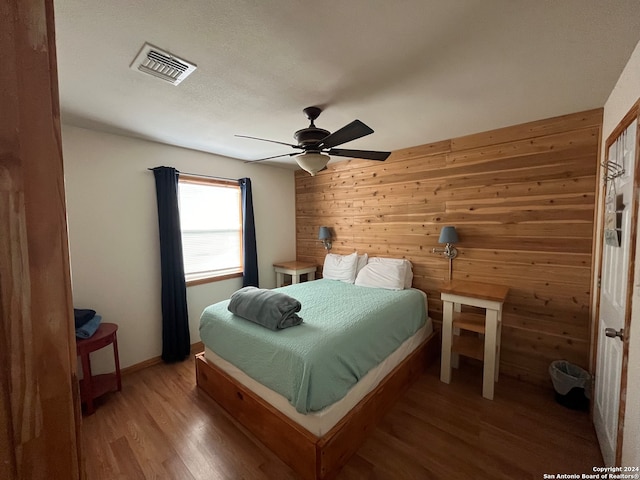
<point>310,136</point>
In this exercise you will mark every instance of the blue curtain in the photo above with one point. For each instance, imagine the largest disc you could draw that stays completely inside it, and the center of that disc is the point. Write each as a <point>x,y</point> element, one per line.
<point>250,277</point>
<point>176,343</point>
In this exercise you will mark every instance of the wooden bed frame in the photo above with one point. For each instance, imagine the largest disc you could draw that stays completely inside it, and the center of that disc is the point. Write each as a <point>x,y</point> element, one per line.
<point>313,458</point>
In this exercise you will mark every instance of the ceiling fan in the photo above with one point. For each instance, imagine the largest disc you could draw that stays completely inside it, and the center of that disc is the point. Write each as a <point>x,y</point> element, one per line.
<point>315,144</point>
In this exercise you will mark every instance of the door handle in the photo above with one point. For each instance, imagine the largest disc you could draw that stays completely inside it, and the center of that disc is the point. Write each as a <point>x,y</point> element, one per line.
<point>613,333</point>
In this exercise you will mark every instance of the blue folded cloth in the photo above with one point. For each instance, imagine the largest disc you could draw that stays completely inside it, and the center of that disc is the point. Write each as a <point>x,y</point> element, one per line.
<point>273,310</point>
<point>89,328</point>
<point>82,316</point>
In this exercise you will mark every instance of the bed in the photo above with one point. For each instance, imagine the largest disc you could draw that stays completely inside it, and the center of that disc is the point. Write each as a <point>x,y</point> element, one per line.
<point>313,392</point>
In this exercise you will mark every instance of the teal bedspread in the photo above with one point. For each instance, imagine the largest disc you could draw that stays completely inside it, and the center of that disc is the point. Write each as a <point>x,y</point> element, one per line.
<point>346,331</point>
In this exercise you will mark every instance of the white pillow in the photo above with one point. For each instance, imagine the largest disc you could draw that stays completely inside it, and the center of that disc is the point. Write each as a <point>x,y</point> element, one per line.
<point>340,267</point>
<point>362,261</point>
<point>408,275</point>
<point>408,271</point>
<point>382,275</point>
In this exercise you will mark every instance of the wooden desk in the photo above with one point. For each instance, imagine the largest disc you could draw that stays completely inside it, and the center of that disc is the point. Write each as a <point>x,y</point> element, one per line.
<point>93,386</point>
<point>295,269</point>
<point>454,294</point>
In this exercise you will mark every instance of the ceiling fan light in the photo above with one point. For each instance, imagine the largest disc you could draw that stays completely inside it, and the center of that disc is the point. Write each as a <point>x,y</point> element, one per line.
<point>312,162</point>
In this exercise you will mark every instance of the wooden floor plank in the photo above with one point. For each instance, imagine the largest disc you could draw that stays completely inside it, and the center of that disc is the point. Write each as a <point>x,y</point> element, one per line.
<point>175,468</point>
<point>128,466</point>
<point>161,426</point>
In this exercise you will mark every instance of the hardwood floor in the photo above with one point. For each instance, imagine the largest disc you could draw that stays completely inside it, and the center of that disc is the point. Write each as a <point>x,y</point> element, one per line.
<point>160,426</point>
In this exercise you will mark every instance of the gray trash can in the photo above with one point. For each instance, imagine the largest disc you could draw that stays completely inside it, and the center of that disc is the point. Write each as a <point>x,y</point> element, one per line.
<point>571,383</point>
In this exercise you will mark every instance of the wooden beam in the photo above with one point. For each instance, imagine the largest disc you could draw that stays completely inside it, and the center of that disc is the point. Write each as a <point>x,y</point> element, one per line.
<point>39,404</point>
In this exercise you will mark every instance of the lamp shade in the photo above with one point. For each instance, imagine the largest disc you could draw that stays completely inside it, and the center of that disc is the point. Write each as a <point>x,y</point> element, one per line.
<point>324,233</point>
<point>312,162</point>
<point>448,235</point>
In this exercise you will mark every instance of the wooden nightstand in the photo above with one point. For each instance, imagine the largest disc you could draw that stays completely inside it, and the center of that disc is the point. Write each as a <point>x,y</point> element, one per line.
<point>454,294</point>
<point>295,269</point>
<point>93,386</point>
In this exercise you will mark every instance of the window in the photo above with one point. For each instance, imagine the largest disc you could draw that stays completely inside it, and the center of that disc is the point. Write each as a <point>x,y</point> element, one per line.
<point>211,224</point>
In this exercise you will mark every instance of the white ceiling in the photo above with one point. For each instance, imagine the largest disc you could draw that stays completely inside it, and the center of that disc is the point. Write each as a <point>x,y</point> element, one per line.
<point>416,71</point>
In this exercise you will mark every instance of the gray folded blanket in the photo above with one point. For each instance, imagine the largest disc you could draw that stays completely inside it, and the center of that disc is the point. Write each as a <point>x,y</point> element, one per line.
<point>270,309</point>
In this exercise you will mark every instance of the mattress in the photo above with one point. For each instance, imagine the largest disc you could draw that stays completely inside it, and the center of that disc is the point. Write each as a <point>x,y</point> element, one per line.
<point>320,422</point>
<point>347,331</point>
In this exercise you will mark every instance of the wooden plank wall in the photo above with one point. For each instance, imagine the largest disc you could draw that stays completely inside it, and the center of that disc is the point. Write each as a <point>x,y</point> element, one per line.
<point>522,199</point>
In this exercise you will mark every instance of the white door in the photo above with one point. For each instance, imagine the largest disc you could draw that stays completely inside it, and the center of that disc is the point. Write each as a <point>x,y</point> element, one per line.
<point>613,293</point>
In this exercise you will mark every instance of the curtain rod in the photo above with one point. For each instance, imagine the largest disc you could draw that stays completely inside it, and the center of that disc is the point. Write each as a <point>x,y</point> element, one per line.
<point>204,176</point>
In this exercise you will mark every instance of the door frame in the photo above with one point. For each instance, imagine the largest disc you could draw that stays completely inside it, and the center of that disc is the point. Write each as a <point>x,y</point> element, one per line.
<point>628,119</point>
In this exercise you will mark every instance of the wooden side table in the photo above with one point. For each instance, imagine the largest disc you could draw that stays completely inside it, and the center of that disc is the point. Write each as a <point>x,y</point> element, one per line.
<point>295,269</point>
<point>93,386</point>
<point>454,294</point>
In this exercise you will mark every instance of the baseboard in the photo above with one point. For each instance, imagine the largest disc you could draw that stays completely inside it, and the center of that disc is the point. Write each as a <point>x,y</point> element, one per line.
<point>195,348</point>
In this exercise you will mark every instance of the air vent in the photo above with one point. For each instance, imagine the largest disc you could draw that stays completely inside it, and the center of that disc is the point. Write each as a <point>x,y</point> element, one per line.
<point>162,65</point>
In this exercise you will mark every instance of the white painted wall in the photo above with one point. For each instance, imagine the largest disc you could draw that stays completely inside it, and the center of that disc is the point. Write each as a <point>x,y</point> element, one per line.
<point>622,98</point>
<point>113,233</point>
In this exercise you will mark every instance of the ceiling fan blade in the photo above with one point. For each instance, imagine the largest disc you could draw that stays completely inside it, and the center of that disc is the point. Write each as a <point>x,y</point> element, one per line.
<point>275,156</point>
<point>355,129</point>
<point>272,141</point>
<point>366,154</point>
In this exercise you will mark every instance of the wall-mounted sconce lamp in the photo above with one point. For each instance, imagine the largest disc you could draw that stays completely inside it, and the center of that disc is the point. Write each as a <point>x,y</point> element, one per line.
<point>448,236</point>
<point>324,235</point>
